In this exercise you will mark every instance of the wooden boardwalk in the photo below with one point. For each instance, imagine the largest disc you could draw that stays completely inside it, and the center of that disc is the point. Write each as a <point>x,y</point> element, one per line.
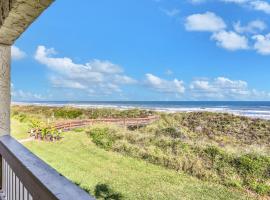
<point>127,122</point>
<point>73,124</point>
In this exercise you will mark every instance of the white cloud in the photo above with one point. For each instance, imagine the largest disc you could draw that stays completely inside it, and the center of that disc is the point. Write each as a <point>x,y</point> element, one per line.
<point>239,38</point>
<point>169,72</point>
<point>65,83</point>
<point>21,95</point>
<point>96,75</point>
<point>236,1</point>
<point>200,85</point>
<point>170,12</point>
<point>164,86</point>
<point>225,89</point>
<point>226,83</point>
<point>104,79</point>
<point>123,79</point>
<point>197,1</point>
<point>262,44</point>
<point>252,27</point>
<point>204,22</point>
<point>261,6</point>
<point>17,54</point>
<point>230,40</point>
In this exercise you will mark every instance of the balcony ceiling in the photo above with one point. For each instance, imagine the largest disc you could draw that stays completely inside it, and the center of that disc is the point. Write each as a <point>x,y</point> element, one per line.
<point>17,15</point>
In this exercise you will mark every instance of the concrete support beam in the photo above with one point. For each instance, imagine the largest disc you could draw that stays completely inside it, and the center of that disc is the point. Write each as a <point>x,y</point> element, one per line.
<point>5,94</point>
<point>17,15</point>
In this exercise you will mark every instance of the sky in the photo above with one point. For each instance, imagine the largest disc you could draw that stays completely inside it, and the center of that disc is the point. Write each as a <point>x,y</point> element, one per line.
<point>145,50</point>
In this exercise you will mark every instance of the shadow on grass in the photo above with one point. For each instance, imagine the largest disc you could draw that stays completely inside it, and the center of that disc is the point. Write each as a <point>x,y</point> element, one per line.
<point>103,191</point>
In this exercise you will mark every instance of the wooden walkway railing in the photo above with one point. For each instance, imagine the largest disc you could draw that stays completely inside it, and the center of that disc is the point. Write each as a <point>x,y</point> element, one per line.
<point>72,124</point>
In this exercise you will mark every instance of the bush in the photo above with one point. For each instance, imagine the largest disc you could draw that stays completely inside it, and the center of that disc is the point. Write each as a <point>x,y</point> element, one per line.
<point>209,163</point>
<point>42,131</point>
<point>36,124</point>
<point>68,113</point>
<point>15,113</point>
<point>102,137</point>
<point>171,132</point>
<point>214,153</point>
<point>253,168</point>
<point>263,189</point>
<point>21,117</point>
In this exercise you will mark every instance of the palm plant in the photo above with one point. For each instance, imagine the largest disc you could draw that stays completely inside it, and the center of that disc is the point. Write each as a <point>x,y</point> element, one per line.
<point>36,126</point>
<point>45,132</point>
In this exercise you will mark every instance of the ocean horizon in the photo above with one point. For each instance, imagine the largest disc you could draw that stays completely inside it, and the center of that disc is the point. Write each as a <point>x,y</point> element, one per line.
<point>253,109</point>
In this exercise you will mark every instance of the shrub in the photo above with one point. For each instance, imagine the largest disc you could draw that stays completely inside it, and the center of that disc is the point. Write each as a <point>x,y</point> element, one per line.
<point>55,134</point>
<point>214,153</point>
<point>209,163</point>
<point>35,124</point>
<point>21,117</point>
<point>78,130</point>
<point>171,132</point>
<point>42,131</point>
<point>68,113</point>
<point>253,167</point>
<point>15,113</point>
<point>263,189</point>
<point>102,137</point>
<point>45,131</point>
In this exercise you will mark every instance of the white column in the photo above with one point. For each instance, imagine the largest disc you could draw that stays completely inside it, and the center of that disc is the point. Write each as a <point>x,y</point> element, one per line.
<point>5,95</point>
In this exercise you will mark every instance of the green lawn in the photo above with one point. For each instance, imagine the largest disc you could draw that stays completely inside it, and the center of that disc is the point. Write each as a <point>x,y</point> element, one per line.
<point>19,130</point>
<point>77,158</point>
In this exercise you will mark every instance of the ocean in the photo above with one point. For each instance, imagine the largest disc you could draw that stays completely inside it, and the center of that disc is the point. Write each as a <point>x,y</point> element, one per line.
<point>254,109</point>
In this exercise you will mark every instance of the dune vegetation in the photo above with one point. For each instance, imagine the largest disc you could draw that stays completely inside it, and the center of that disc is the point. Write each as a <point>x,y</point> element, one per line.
<point>47,112</point>
<point>217,148</point>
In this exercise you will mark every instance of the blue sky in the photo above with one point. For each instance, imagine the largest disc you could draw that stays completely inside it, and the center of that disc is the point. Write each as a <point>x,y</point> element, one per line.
<point>145,50</point>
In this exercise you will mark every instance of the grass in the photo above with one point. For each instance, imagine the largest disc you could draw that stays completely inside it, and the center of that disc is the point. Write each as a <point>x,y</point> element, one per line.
<point>19,129</point>
<point>165,147</point>
<point>81,161</point>
<point>198,155</point>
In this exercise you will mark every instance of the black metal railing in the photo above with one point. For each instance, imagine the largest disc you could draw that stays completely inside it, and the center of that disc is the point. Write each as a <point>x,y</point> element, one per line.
<point>26,177</point>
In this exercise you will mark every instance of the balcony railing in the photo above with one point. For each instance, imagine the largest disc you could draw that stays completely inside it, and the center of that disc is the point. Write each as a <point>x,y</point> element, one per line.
<point>25,177</point>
